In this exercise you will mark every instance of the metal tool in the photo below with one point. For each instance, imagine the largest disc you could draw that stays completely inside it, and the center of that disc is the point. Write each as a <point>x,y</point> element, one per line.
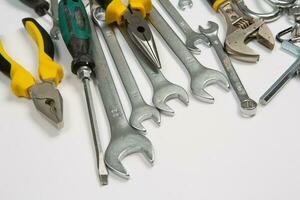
<point>141,111</point>
<point>54,32</point>
<point>46,98</point>
<point>192,38</point>
<point>201,77</point>
<point>248,106</point>
<point>183,4</point>
<point>41,7</point>
<point>133,16</point>
<point>75,29</point>
<point>163,90</point>
<point>125,140</point>
<point>294,31</point>
<point>241,29</point>
<point>286,76</point>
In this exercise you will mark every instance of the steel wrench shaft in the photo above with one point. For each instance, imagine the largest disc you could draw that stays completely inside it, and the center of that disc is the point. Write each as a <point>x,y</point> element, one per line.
<point>248,106</point>
<point>192,38</point>
<point>54,32</point>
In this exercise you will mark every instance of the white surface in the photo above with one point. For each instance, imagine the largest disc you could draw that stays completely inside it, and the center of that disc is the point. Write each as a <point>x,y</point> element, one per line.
<point>205,152</point>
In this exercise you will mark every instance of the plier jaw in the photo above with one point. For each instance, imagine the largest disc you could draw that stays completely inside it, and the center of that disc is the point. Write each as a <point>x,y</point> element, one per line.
<point>48,100</point>
<point>140,33</point>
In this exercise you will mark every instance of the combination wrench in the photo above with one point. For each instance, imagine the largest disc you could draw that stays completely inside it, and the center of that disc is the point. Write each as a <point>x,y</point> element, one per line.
<point>54,32</point>
<point>201,77</point>
<point>192,37</point>
<point>125,140</point>
<point>183,4</point>
<point>248,106</point>
<point>141,111</point>
<point>163,90</point>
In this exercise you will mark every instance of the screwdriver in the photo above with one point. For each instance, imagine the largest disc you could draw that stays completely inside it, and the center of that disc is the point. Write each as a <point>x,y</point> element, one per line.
<point>76,33</point>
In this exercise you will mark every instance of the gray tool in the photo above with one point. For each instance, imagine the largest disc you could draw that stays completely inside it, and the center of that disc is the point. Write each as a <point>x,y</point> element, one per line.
<point>201,77</point>
<point>54,32</point>
<point>125,140</point>
<point>141,111</point>
<point>248,106</point>
<point>183,4</point>
<point>287,75</point>
<point>192,38</point>
<point>163,90</point>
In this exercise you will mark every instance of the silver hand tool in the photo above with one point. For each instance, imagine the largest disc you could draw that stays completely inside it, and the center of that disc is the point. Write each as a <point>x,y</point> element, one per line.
<point>192,38</point>
<point>286,76</point>
<point>163,90</point>
<point>182,4</point>
<point>248,106</point>
<point>125,140</point>
<point>201,77</point>
<point>141,111</point>
<point>54,32</point>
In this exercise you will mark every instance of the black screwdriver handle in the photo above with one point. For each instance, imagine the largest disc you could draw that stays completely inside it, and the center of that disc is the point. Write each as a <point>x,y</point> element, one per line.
<point>40,6</point>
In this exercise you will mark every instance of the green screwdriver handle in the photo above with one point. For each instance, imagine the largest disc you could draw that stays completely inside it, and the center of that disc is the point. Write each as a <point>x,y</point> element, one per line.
<point>76,32</point>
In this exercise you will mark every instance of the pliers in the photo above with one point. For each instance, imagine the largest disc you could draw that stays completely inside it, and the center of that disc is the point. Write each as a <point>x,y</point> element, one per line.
<point>46,98</point>
<point>133,16</point>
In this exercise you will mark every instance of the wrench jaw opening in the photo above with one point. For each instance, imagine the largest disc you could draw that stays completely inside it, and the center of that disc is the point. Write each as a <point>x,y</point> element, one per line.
<point>166,92</point>
<point>127,142</point>
<point>194,40</point>
<point>206,78</point>
<point>142,113</point>
<point>183,4</point>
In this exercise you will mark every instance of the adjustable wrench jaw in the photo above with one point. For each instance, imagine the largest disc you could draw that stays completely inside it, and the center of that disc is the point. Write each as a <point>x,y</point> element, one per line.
<point>242,29</point>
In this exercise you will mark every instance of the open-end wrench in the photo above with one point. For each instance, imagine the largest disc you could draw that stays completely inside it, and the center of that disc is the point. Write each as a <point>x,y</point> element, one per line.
<point>163,90</point>
<point>289,74</point>
<point>141,111</point>
<point>192,38</point>
<point>183,4</point>
<point>201,77</point>
<point>248,106</point>
<point>125,140</point>
<point>54,32</point>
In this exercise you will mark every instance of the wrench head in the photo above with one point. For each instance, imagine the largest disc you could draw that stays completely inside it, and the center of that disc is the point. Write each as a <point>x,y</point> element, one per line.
<point>166,92</point>
<point>213,29</point>
<point>124,142</point>
<point>183,4</point>
<point>193,39</point>
<point>236,42</point>
<point>142,113</point>
<point>248,108</point>
<point>204,78</point>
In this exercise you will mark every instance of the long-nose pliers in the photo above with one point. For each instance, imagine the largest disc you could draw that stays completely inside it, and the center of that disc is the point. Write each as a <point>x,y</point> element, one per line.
<point>133,16</point>
<point>45,96</point>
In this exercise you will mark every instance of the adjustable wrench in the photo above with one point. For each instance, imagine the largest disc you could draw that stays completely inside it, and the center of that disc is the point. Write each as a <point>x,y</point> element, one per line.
<point>289,74</point>
<point>201,77</point>
<point>140,110</point>
<point>182,4</point>
<point>248,106</point>
<point>192,38</point>
<point>54,32</point>
<point>125,140</point>
<point>163,90</point>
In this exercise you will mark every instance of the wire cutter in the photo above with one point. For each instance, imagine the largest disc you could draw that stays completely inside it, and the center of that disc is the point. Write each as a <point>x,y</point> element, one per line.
<point>46,98</point>
<point>133,16</point>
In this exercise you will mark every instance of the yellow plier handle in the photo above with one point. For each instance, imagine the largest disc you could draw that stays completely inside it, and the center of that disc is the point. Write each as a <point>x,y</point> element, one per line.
<point>21,79</point>
<point>48,69</point>
<point>115,9</point>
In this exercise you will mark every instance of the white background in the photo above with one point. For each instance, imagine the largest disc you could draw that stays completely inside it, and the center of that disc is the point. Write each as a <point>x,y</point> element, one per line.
<point>204,152</point>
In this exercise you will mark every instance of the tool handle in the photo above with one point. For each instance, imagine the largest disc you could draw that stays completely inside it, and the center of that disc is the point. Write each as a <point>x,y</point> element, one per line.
<point>40,6</point>
<point>49,70</point>
<point>21,79</point>
<point>76,32</point>
<point>216,3</point>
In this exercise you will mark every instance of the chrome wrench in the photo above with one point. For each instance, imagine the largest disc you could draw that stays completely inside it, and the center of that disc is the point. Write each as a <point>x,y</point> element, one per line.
<point>54,32</point>
<point>192,38</point>
<point>163,90</point>
<point>248,106</point>
<point>125,140</point>
<point>183,4</point>
<point>141,111</point>
<point>201,77</point>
